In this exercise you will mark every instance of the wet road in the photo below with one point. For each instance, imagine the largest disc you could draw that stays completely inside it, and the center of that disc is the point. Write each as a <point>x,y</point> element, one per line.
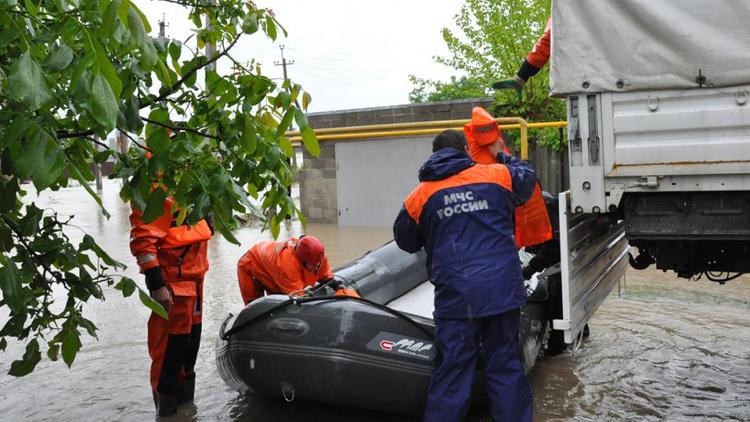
<point>665,350</point>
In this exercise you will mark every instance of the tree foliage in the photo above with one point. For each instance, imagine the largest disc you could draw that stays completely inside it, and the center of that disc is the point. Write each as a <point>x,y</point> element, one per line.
<point>458,88</point>
<point>492,41</point>
<point>71,72</point>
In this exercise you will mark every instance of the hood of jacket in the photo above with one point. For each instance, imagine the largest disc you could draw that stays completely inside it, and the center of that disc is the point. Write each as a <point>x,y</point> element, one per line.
<point>443,164</point>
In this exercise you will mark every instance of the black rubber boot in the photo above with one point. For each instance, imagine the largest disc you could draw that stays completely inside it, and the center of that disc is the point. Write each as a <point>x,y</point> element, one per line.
<point>166,404</point>
<point>186,391</point>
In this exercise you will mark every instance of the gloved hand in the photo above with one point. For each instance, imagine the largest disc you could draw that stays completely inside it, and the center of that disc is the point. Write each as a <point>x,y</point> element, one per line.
<point>515,83</point>
<point>157,288</point>
<point>163,296</point>
<point>332,283</point>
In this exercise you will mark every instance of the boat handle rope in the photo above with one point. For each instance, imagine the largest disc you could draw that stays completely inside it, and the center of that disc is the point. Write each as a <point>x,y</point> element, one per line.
<point>301,300</point>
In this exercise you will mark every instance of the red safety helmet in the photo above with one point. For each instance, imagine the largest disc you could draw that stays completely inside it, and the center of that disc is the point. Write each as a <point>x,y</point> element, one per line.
<point>310,250</point>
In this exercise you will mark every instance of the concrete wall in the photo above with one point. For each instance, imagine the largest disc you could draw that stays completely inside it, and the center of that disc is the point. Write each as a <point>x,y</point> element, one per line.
<point>317,178</point>
<point>363,182</point>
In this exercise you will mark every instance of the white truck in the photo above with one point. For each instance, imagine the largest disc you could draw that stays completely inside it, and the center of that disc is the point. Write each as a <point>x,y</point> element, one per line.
<point>659,142</point>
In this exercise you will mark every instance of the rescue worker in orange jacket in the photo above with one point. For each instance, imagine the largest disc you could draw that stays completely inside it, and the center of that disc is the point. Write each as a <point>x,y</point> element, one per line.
<point>532,221</point>
<point>284,267</point>
<point>535,61</point>
<point>174,261</point>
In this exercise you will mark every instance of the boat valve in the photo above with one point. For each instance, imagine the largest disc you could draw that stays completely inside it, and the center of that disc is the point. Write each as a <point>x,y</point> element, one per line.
<point>287,391</point>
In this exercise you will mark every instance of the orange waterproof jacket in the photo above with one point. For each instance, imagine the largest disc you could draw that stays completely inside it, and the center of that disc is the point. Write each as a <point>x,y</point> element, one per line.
<point>180,251</point>
<point>532,221</point>
<point>539,55</point>
<point>273,267</point>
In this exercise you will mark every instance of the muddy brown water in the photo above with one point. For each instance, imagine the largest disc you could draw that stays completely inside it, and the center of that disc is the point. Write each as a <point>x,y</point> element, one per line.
<point>664,350</point>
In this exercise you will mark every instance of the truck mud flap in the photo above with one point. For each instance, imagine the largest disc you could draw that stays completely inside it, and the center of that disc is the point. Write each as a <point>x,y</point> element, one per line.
<point>593,259</point>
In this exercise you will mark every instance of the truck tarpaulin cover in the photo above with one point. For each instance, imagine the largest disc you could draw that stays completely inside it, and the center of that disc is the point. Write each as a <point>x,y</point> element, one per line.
<point>633,45</point>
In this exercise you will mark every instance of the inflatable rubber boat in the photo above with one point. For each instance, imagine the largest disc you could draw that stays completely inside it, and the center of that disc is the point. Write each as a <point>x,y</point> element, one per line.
<point>373,352</point>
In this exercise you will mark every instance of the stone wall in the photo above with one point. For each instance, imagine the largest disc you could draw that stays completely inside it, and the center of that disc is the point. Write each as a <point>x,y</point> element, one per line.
<point>317,177</point>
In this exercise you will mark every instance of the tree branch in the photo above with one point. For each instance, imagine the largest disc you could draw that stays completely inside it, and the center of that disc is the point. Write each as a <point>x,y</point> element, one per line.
<point>191,4</point>
<point>96,141</point>
<point>178,128</point>
<point>61,134</point>
<point>187,76</point>
<point>127,135</point>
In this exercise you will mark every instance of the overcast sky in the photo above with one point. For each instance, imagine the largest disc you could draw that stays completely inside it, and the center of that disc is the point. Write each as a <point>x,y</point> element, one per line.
<point>346,53</point>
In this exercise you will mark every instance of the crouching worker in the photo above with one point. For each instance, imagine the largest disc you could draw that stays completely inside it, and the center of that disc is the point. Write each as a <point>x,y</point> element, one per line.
<point>174,260</point>
<point>462,213</point>
<point>284,267</point>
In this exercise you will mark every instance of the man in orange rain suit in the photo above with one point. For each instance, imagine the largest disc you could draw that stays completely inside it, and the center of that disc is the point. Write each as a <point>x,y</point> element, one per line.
<point>535,61</point>
<point>485,141</point>
<point>284,267</point>
<point>174,260</point>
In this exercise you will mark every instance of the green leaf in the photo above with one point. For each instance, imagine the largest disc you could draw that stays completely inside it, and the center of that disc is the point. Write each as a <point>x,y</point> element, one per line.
<point>286,146</point>
<point>51,161</point>
<point>31,8</point>
<point>126,285</point>
<point>88,243</point>
<point>103,103</point>
<point>59,59</point>
<point>89,326</point>
<point>300,118</point>
<point>108,21</point>
<point>154,205</point>
<point>249,137</point>
<point>275,226</point>
<point>53,352</point>
<point>310,141</point>
<point>302,219</point>
<point>106,68</point>
<point>133,121</point>
<point>142,16</point>
<point>3,344</point>
<point>270,28</point>
<point>71,344</point>
<point>10,284</point>
<point>286,121</point>
<point>8,195</point>
<point>27,364</point>
<point>250,23</point>
<point>26,83</point>
<point>152,304</point>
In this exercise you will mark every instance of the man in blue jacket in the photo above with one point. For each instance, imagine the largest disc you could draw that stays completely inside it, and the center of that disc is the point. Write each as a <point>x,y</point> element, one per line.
<point>462,213</point>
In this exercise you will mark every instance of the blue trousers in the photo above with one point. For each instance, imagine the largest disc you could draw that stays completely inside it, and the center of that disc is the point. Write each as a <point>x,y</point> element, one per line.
<point>459,342</point>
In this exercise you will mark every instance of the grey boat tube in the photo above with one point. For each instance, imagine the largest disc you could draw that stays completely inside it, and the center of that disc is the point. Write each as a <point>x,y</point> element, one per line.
<point>348,351</point>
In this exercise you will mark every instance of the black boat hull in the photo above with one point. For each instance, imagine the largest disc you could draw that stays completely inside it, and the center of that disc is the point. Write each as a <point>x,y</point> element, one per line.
<point>346,351</point>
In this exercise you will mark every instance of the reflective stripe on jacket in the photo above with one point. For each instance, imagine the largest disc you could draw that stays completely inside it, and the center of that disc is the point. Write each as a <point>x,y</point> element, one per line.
<point>462,214</point>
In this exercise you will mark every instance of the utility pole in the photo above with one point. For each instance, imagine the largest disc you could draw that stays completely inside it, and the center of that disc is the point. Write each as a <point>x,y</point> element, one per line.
<point>163,25</point>
<point>283,63</point>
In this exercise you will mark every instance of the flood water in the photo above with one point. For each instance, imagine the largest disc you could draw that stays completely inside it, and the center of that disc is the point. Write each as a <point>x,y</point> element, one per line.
<point>664,350</point>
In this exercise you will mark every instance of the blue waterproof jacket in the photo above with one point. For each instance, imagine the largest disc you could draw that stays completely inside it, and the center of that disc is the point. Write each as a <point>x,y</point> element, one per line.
<point>462,213</point>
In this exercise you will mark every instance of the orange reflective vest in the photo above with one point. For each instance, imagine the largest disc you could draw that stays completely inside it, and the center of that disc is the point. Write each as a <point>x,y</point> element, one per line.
<point>532,221</point>
<point>272,267</point>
